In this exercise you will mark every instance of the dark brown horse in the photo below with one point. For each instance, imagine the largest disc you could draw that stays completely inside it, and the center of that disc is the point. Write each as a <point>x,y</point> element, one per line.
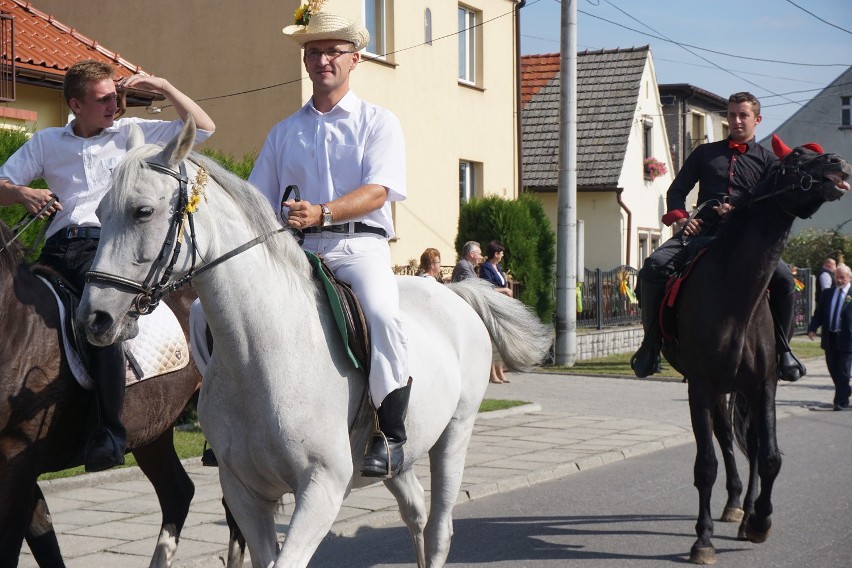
<point>726,342</point>
<point>43,413</point>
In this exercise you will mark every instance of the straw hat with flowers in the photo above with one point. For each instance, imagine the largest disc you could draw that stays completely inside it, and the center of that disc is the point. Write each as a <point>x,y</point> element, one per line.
<point>311,24</point>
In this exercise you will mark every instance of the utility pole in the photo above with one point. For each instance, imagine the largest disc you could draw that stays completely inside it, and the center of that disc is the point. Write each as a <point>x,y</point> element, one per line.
<point>565,350</point>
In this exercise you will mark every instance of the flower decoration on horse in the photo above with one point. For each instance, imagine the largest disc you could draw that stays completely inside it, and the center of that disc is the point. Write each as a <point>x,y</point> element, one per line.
<point>303,13</point>
<point>653,168</point>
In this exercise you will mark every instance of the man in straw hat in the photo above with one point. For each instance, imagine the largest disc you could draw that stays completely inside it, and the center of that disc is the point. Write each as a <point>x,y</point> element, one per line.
<point>347,157</point>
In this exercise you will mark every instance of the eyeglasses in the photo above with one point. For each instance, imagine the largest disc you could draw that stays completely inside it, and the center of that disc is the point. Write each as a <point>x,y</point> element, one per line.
<point>330,54</point>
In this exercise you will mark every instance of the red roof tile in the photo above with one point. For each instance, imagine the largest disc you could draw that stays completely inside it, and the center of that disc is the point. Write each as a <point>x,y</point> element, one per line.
<point>536,71</point>
<point>46,46</point>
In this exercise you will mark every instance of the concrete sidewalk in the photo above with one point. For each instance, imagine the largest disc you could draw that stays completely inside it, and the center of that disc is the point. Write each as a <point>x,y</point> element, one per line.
<point>572,423</point>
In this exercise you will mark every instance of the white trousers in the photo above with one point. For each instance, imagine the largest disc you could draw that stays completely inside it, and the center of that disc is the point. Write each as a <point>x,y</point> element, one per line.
<point>363,261</point>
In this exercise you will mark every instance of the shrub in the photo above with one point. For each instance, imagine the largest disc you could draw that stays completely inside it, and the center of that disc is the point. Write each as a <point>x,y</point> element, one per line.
<point>241,167</point>
<point>524,229</point>
<point>10,140</point>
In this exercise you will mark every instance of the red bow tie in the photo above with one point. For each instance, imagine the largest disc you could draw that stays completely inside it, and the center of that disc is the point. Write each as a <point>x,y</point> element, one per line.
<point>741,148</point>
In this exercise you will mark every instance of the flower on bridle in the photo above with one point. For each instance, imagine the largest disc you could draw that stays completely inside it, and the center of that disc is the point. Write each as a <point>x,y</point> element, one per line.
<point>198,185</point>
<point>303,13</point>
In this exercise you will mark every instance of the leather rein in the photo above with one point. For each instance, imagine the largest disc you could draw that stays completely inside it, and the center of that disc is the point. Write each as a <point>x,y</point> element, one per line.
<point>149,292</point>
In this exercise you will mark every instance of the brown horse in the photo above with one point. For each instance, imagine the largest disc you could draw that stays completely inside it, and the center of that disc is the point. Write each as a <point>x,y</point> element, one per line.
<point>43,413</point>
<point>726,341</point>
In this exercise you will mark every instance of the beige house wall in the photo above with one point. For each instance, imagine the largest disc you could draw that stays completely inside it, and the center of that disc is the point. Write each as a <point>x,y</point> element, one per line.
<point>233,59</point>
<point>47,104</point>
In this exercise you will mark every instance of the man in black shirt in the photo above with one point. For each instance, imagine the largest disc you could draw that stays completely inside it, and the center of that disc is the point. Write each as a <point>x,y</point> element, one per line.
<point>726,172</point>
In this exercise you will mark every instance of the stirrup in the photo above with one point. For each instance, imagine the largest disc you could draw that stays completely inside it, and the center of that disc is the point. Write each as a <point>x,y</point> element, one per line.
<point>796,368</point>
<point>379,448</point>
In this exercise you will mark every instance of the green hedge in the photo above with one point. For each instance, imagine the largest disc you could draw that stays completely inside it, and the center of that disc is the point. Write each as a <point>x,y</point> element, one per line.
<point>524,229</point>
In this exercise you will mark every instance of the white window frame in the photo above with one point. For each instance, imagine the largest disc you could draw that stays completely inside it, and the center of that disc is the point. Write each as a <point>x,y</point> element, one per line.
<point>469,178</point>
<point>375,20</point>
<point>467,44</point>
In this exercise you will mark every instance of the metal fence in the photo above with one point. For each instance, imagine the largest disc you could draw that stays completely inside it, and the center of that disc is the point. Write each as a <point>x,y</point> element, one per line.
<point>606,298</point>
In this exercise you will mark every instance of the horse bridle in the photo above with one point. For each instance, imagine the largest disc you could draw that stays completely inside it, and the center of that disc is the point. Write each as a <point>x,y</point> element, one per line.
<point>150,293</point>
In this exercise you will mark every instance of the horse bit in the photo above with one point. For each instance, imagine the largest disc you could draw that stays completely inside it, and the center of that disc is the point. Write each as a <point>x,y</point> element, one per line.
<point>151,293</point>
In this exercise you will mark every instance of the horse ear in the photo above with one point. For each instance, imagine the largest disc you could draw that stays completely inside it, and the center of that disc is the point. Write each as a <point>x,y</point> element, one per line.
<point>135,137</point>
<point>181,145</point>
<point>781,150</point>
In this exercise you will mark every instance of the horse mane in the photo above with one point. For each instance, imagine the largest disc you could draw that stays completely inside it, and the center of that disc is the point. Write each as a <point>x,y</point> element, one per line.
<point>253,205</point>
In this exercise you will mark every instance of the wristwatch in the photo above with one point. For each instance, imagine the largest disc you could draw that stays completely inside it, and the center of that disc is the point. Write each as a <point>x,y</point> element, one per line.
<point>326,215</point>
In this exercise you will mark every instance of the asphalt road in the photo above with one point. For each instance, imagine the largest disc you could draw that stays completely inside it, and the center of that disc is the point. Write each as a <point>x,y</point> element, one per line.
<point>641,513</point>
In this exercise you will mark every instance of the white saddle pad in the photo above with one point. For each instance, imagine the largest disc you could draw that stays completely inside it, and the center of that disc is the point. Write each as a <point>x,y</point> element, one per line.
<point>159,348</point>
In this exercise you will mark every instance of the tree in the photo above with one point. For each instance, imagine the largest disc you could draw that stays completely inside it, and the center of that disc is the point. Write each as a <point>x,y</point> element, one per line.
<point>811,247</point>
<point>524,229</point>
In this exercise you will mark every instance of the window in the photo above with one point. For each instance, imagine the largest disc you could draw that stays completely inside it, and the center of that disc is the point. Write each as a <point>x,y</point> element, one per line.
<point>698,133</point>
<point>469,180</point>
<point>846,111</point>
<point>647,137</point>
<point>375,19</point>
<point>467,45</point>
<point>427,26</point>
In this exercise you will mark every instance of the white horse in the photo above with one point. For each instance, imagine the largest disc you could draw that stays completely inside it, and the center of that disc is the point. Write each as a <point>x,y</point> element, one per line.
<point>280,400</point>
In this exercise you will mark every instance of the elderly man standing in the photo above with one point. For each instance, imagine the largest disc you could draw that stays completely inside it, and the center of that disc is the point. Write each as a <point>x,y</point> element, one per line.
<point>347,157</point>
<point>466,266</point>
<point>834,314</point>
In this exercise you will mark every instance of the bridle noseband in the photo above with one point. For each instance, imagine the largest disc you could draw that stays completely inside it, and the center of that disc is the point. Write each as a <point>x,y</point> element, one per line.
<point>150,293</point>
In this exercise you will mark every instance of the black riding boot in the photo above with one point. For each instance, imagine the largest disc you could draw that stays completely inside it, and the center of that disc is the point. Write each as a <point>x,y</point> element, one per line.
<point>646,361</point>
<point>384,455</point>
<point>783,310</point>
<point>105,448</point>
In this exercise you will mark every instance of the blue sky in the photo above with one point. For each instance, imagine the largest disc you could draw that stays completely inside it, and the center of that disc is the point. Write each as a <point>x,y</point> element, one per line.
<point>811,53</point>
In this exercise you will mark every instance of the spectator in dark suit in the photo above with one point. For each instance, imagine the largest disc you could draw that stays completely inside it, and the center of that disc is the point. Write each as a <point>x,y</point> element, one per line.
<point>466,266</point>
<point>834,314</point>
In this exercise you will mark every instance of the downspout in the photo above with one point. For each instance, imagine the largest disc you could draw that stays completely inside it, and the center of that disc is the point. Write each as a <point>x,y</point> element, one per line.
<point>618,192</point>
<point>518,131</point>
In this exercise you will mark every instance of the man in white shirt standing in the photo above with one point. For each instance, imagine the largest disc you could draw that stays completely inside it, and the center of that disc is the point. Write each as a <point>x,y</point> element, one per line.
<point>77,162</point>
<point>347,157</point>
<point>834,314</point>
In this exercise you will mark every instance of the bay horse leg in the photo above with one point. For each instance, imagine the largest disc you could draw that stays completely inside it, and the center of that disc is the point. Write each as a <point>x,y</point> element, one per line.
<point>17,497</point>
<point>701,409</point>
<point>236,540</point>
<point>409,495</point>
<point>161,465</point>
<point>768,464</point>
<point>40,536</point>
<point>723,429</point>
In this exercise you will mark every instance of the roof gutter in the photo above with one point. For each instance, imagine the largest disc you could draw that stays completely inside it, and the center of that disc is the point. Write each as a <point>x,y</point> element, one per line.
<point>618,192</point>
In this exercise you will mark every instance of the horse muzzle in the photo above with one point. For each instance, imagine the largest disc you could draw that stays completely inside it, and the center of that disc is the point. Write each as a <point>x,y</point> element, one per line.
<point>102,329</point>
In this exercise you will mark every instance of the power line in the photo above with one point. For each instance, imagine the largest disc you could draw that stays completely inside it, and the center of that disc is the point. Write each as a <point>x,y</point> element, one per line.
<point>682,46</point>
<point>818,18</point>
<point>738,56</point>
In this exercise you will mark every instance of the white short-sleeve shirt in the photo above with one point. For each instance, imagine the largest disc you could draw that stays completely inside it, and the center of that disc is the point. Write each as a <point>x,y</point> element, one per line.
<point>328,155</point>
<point>79,170</point>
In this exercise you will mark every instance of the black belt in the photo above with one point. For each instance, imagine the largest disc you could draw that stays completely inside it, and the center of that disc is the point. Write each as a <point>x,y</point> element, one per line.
<point>356,227</point>
<point>79,233</point>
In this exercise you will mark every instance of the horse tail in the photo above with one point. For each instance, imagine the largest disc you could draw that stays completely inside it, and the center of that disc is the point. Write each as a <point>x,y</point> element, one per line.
<point>520,339</point>
<point>740,418</point>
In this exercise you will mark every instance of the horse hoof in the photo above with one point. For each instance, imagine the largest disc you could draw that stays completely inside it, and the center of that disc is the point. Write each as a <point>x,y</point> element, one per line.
<point>731,515</point>
<point>757,537</point>
<point>702,555</point>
